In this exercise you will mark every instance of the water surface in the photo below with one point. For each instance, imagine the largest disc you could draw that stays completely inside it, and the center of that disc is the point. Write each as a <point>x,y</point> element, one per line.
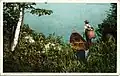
<point>67,16</point>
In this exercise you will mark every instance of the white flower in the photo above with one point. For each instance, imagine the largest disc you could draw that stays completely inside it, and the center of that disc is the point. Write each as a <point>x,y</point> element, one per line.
<point>59,47</point>
<point>31,40</point>
<point>47,46</point>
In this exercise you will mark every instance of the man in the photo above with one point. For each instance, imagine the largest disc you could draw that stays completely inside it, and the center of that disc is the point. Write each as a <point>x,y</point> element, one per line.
<point>89,32</point>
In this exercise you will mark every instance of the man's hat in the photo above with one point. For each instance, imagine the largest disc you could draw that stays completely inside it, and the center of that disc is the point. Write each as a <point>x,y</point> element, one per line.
<point>86,21</point>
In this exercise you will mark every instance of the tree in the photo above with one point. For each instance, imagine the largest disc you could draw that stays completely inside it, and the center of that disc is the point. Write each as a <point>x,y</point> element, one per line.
<point>103,55</point>
<point>13,15</point>
<point>109,25</point>
<point>34,57</point>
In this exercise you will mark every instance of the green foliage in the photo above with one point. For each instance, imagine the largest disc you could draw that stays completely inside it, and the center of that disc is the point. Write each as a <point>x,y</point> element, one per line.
<point>104,53</point>
<point>109,25</point>
<point>40,12</point>
<point>10,19</point>
<point>11,14</point>
<point>103,56</point>
<point>35,57</point>
<point>51,54</point>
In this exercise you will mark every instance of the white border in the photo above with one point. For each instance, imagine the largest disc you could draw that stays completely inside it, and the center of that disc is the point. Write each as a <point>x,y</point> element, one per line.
<point>62,1</point>
<point>1,38</point>
<point>118,36</point>
<point>65,1</point>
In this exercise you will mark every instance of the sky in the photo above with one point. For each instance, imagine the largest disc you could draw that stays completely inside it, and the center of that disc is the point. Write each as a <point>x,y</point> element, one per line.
<point>66,17</point>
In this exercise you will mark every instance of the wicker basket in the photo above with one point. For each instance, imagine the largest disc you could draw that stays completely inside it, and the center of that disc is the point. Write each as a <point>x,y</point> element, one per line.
<point>77,41</point>
<point>78,46</point>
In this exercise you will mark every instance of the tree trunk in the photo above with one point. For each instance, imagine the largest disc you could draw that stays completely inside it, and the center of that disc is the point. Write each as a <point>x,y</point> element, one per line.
<point>17,31</point>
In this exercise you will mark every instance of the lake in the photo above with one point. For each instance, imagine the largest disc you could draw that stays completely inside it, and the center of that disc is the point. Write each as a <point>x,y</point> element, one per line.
<point>66,17</point>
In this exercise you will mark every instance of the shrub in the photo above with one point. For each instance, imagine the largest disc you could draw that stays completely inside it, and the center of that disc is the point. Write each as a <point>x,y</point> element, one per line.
<point>59,57</point>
